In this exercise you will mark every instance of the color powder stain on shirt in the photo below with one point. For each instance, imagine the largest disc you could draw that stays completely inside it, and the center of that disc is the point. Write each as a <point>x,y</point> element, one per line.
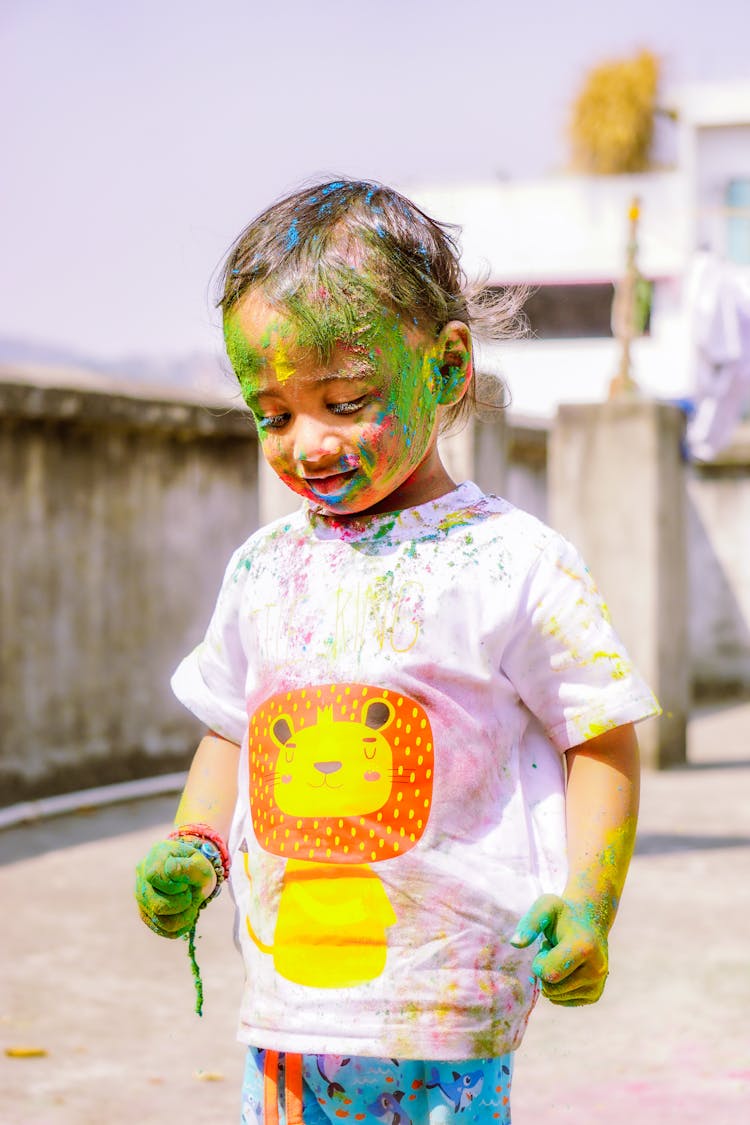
<point>386,529</point>
<point>457,519</point>
<point>594,729</point>
<point>584,576</point>
<point>621,668</point>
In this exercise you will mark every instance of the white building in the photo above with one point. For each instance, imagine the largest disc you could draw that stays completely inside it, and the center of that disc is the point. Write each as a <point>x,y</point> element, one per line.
<point>567,235</point>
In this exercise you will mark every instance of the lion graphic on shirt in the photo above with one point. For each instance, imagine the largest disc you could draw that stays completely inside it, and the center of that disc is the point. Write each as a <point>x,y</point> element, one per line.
<point>340,779</point>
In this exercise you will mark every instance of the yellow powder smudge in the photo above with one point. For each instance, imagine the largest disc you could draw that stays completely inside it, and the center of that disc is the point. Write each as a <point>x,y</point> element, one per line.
<point>282,365</point>
<point>593,730</point>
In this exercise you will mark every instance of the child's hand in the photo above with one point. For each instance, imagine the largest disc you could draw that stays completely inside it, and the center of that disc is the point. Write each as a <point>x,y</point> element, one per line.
<point>572,961</point>
<point>171,883</point>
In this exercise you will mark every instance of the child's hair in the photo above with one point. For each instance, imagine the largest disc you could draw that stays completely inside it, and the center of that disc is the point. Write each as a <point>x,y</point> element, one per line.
<point>335,255</point>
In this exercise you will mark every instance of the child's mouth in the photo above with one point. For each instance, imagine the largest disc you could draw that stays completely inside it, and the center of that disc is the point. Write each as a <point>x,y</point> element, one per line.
<point>330,484</point>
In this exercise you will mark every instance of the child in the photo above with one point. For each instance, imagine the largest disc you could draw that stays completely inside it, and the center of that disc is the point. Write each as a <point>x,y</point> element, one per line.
<point>397,681</point>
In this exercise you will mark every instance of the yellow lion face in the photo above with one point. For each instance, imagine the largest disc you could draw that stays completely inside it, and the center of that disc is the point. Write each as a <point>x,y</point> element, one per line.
<point>334,768</point>
<point>340,773</point>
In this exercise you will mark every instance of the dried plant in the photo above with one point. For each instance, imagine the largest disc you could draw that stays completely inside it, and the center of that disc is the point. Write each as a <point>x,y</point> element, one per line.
<point>612,125</point>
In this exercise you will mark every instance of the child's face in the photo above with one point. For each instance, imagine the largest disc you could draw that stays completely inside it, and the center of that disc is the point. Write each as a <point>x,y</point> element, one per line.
<point>355,434</point>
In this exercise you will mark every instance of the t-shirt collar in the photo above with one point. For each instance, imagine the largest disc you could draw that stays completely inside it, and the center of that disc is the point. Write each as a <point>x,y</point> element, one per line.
<point>408,523</point>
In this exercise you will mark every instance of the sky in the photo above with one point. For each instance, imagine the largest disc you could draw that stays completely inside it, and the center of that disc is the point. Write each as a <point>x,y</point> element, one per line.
<point>138,139</point>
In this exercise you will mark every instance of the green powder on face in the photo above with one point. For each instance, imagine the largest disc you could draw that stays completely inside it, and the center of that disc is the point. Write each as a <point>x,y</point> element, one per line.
<point>246,362</point>
<point>342,307</point>
<point>337,307</point>
<point>412,397</point>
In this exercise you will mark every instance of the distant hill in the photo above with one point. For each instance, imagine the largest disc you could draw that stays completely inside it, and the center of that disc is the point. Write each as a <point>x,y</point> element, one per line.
<point>197,371</point>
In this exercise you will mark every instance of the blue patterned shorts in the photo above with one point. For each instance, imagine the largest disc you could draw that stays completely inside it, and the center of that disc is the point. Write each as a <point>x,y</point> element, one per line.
<point>287,1089</point>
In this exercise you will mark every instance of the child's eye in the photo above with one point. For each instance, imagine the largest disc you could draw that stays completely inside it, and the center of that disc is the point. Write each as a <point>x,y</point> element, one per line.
<point>272,421</point>
<point>348,407</point>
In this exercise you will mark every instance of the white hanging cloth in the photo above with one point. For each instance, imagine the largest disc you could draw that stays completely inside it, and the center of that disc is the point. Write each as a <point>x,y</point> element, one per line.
<point>718,301</point>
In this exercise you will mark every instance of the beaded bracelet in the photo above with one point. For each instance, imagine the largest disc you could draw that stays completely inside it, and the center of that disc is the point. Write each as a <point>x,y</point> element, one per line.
<point>210,844</point>
<point>205,833</point>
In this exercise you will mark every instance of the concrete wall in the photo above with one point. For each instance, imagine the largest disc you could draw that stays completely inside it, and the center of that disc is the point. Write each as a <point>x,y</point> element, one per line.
<point>526,467</point>
<point>502,456</point>
<point>117,518</point>
<point>617,490</point>
<point>719,568</point>
<point>718,538</point>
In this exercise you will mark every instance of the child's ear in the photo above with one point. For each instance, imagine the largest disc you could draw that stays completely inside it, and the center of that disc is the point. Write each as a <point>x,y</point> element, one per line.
<point>454,361</point>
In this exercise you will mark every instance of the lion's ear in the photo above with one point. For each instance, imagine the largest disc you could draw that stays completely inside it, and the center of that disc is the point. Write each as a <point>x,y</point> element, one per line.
<point>282,730</point>
<point>377,714</point>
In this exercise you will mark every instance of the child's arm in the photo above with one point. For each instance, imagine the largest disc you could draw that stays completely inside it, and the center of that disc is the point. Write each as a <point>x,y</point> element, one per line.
<point>601,812</point>
<point>174,879</point>
<point>210,792</point>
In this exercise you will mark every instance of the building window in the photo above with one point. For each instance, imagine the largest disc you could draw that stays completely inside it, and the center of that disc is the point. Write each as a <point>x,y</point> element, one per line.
<point>566,312</point>
<point>738,221</point>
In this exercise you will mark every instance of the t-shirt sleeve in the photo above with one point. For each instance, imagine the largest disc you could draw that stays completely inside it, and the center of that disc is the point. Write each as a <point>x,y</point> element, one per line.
<point>564,658</point>
<point>211,680</point>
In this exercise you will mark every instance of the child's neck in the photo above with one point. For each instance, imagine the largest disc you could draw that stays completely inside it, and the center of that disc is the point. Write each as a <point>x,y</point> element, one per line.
<point>421,488</point>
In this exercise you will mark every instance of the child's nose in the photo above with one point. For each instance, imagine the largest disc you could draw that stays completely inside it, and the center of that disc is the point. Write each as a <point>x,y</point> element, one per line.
<point>314,442</point>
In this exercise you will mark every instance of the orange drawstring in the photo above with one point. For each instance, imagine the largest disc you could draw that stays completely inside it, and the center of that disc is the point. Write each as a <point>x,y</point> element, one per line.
<point>292,1089</point>
<point>271,1088</point>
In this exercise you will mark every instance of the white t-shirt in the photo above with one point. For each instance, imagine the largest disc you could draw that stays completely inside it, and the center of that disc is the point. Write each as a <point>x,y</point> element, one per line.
<point>402,687</point>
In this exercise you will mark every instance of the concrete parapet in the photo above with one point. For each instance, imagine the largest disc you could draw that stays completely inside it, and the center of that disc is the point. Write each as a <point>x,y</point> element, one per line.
<point>617,490</point>
<point>119,514</point>
<point>477,451</point>
<point>119,511</point>
<point>719,560</point>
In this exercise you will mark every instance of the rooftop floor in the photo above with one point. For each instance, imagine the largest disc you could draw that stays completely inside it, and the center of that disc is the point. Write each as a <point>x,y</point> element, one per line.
<point>111,1005</point>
